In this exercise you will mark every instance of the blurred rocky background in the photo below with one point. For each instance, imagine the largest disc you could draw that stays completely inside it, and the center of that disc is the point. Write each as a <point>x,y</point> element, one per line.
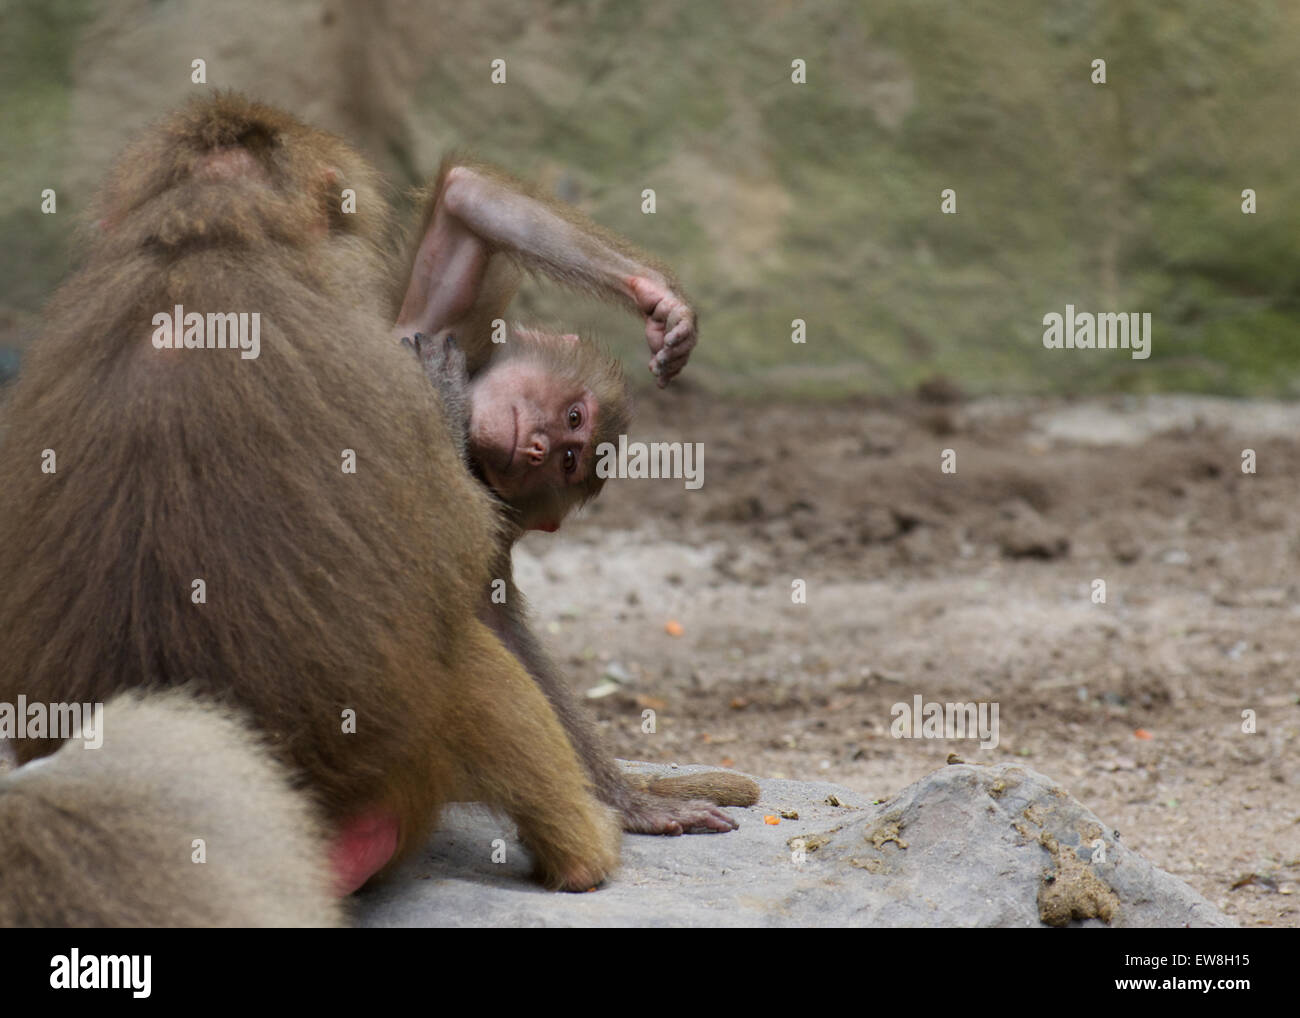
<point>776,201</point>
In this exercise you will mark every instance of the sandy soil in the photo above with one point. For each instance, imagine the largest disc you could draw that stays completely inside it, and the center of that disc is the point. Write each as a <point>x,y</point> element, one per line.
<point>959,587</point>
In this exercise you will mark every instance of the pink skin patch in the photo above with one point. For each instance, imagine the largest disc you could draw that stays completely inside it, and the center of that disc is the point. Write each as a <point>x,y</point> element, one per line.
<point>361,849</point>
<point>227,164</point>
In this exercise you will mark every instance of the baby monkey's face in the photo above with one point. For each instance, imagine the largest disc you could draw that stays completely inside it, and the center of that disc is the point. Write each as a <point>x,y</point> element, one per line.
<point>531,427</point>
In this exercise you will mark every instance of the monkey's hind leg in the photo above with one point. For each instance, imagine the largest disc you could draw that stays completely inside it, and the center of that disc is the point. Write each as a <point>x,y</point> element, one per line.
<point>524,764</point>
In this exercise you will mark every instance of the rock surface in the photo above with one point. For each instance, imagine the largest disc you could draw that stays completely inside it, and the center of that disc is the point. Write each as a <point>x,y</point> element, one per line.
<point>964,846</point>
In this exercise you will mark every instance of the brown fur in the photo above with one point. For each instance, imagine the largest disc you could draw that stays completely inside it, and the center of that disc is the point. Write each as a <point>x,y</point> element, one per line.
<point>326,591</point>
<point>719,787</point>
<point>99,837</point>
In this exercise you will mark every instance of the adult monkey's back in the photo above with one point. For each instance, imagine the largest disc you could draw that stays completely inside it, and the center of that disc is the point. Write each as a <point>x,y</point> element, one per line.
<point>133,472</point>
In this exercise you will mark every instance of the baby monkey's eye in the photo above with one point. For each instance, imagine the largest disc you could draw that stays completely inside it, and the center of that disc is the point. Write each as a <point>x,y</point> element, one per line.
<point>570,461</point>
<point>575,417</point>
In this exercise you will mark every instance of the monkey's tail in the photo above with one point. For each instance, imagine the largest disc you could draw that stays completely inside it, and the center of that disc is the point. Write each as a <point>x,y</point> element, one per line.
<point>722,788</point>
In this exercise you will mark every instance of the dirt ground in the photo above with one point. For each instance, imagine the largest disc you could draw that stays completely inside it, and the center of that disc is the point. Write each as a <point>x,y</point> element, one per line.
<point>969,586</point>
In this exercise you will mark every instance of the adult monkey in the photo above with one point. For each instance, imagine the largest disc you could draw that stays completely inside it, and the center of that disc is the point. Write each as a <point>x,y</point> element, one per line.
<point>328,593</point>
<point>539,405</point>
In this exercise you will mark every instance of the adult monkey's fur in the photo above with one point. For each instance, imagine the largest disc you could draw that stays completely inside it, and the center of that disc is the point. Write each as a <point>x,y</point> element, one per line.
<point>326,591</point>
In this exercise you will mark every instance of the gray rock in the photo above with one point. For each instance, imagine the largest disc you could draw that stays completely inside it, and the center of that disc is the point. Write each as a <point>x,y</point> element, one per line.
<point>964,846</point>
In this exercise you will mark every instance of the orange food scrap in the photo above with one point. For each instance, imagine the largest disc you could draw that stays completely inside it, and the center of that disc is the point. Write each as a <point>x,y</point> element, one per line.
<point>673,628</point>
<point>1142,733</point>
<point>726,761</point>
<point>769,819</point>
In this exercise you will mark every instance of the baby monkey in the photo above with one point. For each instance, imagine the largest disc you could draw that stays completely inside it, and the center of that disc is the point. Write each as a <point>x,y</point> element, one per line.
<point>529,424</point>
<point>537,409</point>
